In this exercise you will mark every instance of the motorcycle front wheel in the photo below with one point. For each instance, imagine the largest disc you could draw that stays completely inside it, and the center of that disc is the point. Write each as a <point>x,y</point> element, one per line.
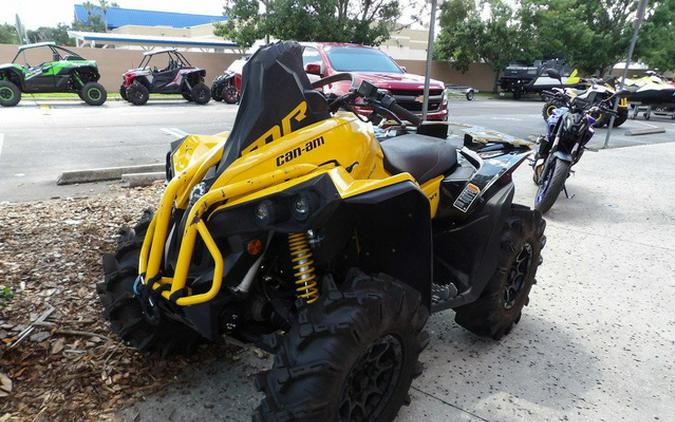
<point>552,183</point>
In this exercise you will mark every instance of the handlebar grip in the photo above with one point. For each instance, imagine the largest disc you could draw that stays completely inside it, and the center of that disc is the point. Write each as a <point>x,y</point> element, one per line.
<point>405,114</point>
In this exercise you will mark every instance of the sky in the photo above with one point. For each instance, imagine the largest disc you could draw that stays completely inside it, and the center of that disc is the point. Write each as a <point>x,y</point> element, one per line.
<point>36,13</point>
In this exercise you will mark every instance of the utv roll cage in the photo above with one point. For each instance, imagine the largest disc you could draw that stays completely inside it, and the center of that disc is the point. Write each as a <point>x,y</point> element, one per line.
<point>176,59</point>
<point>56,52</point>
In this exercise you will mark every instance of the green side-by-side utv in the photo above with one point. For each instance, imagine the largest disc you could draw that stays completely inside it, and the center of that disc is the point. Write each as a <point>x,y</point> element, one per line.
<point>66,72</point>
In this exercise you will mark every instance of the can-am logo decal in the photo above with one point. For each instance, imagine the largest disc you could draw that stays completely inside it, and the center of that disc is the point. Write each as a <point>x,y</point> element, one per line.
<point>298,151</point>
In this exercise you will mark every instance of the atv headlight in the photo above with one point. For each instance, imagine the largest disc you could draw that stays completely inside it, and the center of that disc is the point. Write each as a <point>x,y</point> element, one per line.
<point>303,204</point>
<point>269,212</point>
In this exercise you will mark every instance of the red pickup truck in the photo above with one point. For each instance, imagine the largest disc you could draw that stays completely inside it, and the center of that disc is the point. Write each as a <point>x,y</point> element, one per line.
<point>374,66</point>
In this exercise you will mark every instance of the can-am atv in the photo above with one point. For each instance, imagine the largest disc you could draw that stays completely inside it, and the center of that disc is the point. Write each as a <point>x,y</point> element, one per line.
<point>177,77</point>
<point>227,87</point>
<point>300,233</point>
<point>65,72</point>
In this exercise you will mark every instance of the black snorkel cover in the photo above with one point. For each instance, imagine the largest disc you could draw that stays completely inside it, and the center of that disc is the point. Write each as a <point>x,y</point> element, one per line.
<point>274,88</point>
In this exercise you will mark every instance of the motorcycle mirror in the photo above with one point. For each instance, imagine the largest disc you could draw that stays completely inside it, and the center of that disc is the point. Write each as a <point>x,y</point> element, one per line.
<point>552,73</point>
<point>313,69</point>
<point>366,89</point>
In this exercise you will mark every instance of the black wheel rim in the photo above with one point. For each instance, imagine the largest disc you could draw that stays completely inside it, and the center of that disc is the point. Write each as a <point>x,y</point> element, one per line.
<point>517,276</point>
<point>372,381</point>
<point>231,95</point>
<point>6,94</point>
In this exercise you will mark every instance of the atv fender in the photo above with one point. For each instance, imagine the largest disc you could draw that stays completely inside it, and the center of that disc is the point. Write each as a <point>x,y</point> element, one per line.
<point>394,234</point>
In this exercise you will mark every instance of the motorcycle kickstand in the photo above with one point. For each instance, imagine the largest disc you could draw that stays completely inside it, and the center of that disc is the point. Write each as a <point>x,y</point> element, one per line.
<point>567,195</point>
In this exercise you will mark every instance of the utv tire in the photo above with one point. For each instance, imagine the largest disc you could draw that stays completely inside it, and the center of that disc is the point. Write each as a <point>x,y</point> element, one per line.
<point>217,89</point>
<point>123,309</point>
<point>351,356</point>
<point>500,305</point>
<point>123,93</point>
<point>10,94</point>
<point>231,95</point>
<point>186,96</point>
<point>93,93</point>
<point>201,94</point>
<point>555,185</point>
<point>138,94</point>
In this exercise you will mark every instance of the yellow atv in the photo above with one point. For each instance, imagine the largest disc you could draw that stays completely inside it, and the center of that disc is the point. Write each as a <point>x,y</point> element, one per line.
<point>300,233</point>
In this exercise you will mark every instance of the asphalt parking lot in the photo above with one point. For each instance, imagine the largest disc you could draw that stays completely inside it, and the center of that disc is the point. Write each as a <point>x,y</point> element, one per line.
<point>595,343</point>
<point>43,139</point>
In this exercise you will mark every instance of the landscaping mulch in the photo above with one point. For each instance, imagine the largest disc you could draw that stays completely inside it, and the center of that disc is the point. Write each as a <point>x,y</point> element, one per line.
<point>69,366</point>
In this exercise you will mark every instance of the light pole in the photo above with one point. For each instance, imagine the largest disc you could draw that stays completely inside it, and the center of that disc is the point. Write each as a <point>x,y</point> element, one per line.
<point>638,21</point>
<point>427,71</point>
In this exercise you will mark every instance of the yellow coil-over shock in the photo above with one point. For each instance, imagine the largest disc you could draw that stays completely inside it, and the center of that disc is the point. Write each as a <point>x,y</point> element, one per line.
<point>303,267</point>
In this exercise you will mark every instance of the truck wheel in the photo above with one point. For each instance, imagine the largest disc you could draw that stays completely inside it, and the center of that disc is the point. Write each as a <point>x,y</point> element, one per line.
<point>351,356</point>
<point>138,94</point>
<point>10,94</point>
<point>148,333</point>
<point>93,93</point>
<point>500,305</point>
<point>123,93</point>
<point>201,94</point>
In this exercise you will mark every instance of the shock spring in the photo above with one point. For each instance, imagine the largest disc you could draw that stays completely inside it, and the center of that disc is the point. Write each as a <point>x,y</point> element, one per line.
<point>303,267</point>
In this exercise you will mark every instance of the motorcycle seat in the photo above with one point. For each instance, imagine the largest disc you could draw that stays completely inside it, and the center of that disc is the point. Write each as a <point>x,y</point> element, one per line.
<point>424,157</point>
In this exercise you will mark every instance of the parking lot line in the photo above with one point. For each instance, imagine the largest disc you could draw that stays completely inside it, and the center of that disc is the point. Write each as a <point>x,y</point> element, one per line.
<point>2,140</point>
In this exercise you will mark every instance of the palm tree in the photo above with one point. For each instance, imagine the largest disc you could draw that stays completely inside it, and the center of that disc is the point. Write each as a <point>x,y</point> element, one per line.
<point>104,5</point>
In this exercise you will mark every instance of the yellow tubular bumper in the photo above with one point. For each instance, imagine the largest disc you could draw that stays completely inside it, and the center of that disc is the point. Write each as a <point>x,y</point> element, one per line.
<point>177,191</point>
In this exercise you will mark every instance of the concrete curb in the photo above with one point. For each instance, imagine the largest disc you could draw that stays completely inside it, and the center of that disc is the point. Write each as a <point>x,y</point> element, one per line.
<point>133,180</point>
<point>110,173</point>
<point>645,131</point>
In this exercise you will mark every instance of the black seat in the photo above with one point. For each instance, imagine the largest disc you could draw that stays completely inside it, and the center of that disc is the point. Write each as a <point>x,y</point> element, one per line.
<point>424,157</point>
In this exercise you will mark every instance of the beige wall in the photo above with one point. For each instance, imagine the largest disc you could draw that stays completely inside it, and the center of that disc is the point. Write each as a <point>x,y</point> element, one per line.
<point>113,63</point>
<point>479,75</point>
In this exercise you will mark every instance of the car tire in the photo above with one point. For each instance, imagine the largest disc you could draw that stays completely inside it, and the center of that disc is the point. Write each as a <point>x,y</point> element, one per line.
<point>200,93</point>
<point>367,334</point>
<point>10,94</point>
<point>93,93</point>
<point>470,95</point>
<point>500,305</point>
<point>138,94</point>
<point>123,93</point>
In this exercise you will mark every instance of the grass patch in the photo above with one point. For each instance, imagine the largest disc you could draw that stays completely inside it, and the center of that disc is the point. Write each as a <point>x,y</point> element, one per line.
<point>6,294</point>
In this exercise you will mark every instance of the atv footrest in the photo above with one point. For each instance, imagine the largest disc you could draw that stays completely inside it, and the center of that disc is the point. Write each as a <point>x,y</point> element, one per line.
<point>441,294</point>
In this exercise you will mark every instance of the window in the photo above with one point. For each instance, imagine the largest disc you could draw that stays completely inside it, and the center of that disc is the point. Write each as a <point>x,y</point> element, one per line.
<point>310,55</point>
<point>356,59</point>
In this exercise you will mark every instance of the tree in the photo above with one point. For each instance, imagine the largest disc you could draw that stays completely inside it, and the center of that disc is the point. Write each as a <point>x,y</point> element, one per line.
<point>470,34</point>
<point>656,43</point>
<point>95,21</point>
<point>592,35</point>
<point>360,21</point>
<point>8,34</point>
<point>59,34</point>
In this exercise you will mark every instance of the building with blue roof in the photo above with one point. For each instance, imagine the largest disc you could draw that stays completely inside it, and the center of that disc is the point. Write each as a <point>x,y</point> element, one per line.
<point>117,17</point>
